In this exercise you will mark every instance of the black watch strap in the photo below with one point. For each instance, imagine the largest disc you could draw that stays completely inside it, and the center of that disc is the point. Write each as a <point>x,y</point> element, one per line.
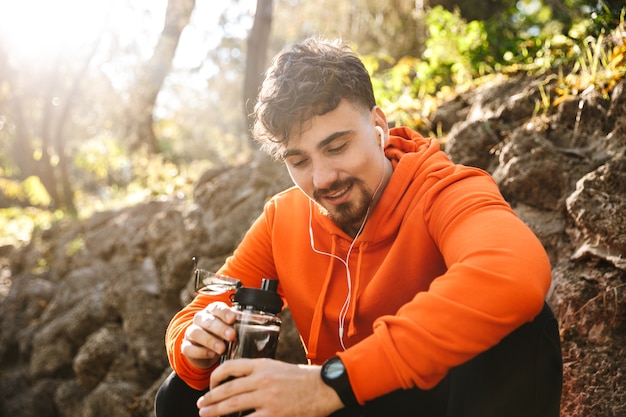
<point>334,375</point>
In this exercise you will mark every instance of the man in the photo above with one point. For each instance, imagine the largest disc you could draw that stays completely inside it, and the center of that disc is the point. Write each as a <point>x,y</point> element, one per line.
<point>415,288</point>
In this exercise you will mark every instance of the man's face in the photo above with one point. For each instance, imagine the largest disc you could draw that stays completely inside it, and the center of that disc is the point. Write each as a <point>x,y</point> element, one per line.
<point>338,162</point>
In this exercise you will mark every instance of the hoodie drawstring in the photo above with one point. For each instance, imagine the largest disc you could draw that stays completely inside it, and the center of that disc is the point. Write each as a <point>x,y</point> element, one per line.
<point>355,291</point>
<point>316,320</point>
<point>351,299</point>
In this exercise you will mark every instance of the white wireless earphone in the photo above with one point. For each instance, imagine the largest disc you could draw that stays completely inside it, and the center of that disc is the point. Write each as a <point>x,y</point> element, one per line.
<point>381,132</point>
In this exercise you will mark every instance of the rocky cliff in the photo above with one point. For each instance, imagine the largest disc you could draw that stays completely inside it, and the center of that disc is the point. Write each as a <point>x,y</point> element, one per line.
<point>84,307</point>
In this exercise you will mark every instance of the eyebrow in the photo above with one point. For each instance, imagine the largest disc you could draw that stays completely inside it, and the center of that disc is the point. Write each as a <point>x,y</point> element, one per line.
<point>322,144</point>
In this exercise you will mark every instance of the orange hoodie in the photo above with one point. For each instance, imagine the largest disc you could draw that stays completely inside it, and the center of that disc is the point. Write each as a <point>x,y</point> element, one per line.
<point>442,271</point>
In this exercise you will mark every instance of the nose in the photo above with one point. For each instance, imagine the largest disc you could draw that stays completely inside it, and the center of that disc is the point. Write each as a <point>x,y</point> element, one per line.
<point>323,175</point>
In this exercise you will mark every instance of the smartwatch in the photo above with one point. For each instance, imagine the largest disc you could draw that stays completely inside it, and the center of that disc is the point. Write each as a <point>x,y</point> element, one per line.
<point>334,375</point>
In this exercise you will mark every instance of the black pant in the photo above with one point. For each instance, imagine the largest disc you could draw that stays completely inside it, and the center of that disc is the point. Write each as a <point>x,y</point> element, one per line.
<point>519,377</point>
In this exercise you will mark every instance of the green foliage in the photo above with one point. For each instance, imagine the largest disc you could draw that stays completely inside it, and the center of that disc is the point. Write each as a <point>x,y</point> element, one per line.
<point>29,191</point>
<point>459,54</point>
<point>597,64</point>
<point>455,50</point>
<point>604,15</point>
<point>455,54</point>
<point>17,224</point>
<point>101,157</point>
<point>109,177</point>
<point>138,178</point>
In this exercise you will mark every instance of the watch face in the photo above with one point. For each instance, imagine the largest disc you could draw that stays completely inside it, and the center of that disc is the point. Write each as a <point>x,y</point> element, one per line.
<point>334,369</point>
<point>335,375</point>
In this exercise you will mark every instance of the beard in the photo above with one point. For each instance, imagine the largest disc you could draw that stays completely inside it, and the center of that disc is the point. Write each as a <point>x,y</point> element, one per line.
<point>349,216</point>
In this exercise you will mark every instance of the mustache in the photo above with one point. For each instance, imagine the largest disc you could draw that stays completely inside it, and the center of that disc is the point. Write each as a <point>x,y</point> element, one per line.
<point>319,193</point>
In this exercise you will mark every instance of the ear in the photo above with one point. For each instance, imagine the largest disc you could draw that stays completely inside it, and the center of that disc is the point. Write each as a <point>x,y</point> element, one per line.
<point>380,121</point>
<point>381,133</point>
<point>379,118</point>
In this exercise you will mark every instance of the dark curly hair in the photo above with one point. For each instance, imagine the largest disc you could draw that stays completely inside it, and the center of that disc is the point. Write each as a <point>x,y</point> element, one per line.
<point>305,80</point>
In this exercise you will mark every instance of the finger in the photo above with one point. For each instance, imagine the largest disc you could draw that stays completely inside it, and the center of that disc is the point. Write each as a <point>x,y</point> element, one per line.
<point>196,351</point>
<point>232,394</point>
<point>210,406</point>
<point>222,311</point>
<point>237,369</point>
<point>200,343</point>
<point>216,322</point>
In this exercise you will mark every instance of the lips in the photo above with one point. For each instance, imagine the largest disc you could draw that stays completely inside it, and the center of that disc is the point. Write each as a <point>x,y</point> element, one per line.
<point>338,195</point>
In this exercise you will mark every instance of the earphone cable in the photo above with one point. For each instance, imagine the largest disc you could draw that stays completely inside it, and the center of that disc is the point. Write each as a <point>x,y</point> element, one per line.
<point>343,313</point>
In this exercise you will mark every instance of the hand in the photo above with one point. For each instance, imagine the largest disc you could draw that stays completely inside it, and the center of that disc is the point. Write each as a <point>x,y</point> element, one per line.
<point>207,337</point>
<point>271,388</point>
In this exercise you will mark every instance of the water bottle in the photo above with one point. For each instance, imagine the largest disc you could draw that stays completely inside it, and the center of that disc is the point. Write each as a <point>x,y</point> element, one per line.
<point>257,324</point>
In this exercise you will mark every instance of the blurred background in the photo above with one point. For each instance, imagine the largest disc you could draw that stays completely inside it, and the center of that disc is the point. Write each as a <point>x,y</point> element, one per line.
<point>107,103</point>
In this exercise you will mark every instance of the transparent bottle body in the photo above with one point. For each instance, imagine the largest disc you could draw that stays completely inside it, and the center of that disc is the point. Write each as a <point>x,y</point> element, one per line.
<point>257,337</point>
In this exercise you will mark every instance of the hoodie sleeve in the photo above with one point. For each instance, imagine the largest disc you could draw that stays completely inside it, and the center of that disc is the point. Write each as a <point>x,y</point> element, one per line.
<point>194,377</point>
<point>497,277</point>
<point>250,262</point>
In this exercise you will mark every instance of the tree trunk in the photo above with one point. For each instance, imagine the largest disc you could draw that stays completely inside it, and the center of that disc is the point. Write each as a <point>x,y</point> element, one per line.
<point>152,74</point>
<point>258,41</point>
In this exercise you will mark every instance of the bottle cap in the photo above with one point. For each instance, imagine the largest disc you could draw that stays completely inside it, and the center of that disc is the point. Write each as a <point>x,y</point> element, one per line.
<point>264,298</point>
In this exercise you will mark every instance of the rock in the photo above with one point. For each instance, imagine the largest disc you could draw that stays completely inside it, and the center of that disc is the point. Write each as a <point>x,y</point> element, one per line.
<point>533,171</point>
<point>95,356</point>
<point>69,397</point>
<point>116,398</point>
<point>473,143</point>
<point>598,208</point>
